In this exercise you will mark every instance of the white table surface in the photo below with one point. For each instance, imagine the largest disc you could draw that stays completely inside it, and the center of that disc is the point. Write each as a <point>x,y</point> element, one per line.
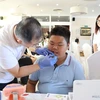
<point>35,96</point>
<point>32,96</point>
<point>29,96</point>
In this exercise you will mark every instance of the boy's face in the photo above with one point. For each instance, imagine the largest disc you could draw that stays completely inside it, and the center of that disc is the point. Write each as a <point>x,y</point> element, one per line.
<point>58,45</point>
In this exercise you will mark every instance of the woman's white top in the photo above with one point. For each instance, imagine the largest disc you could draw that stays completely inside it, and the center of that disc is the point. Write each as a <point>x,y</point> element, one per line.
<point>96,39</point>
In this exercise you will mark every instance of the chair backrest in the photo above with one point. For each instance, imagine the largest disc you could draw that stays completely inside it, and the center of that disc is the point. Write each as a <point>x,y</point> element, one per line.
<point>75,50</point>
<point>87,50</point>
<point>93,62</point>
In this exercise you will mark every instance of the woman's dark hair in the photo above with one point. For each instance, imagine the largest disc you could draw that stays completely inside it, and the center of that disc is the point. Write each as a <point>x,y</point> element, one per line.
<point>29,28</point>
<point>96,26</point>
<point>61,31</point>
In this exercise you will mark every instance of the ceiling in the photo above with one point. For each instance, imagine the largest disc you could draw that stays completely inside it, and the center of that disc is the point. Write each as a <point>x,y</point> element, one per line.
<point>46,7</point>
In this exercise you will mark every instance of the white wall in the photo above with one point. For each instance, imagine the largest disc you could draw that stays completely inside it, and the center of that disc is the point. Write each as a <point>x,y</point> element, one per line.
<point>74,26</point>
<point>81,22</point>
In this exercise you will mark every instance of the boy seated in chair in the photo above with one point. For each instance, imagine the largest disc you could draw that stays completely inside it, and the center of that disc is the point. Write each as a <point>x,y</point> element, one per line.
<point>60,77</point>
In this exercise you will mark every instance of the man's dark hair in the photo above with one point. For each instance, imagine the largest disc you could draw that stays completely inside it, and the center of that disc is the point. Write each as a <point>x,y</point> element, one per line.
<point>61,31</point>
<point>77,40</point>
<point>29,28</point>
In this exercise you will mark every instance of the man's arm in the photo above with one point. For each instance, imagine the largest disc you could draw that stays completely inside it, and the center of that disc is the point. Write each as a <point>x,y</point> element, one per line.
<point>23,71</point>
<point>28,69</point>
<point>31,86</point>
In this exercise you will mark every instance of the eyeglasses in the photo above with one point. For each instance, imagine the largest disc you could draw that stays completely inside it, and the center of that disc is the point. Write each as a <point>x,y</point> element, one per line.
<point>98,21</point>
<point>36,44</point>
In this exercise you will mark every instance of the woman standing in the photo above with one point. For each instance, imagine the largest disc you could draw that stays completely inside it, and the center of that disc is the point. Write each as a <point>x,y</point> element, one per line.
<point>96,40</point>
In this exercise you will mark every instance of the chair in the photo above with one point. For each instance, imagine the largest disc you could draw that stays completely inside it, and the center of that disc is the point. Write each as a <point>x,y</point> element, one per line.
<point>93,62</point>
<point>87,50</point>
<point>22,62</point>
<point>82,60</point>
<point>75,50</point>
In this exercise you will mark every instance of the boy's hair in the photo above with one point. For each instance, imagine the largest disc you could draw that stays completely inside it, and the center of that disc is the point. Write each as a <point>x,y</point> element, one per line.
<point>29,28</point>
<point>61,31</point>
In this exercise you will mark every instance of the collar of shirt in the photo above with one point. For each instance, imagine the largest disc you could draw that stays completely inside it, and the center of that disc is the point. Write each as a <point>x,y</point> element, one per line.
<point>67,61</point>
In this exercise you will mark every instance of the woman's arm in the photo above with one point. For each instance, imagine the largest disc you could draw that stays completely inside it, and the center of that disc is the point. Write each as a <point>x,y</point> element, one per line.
<point>95,48</point>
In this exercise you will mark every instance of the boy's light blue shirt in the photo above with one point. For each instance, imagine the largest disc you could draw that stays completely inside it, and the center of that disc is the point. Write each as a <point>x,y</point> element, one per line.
<point>59,80</point>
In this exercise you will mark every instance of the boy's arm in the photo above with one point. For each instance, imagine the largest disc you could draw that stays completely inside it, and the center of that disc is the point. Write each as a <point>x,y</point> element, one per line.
<point>31,85</point>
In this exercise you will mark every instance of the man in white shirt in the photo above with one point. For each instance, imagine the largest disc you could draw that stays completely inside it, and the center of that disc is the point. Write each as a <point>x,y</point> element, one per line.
<point>14,38</point>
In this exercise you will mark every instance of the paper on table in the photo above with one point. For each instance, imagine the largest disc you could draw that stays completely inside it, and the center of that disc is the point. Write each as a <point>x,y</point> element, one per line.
<point>50,96</point>
<point>70,95</point>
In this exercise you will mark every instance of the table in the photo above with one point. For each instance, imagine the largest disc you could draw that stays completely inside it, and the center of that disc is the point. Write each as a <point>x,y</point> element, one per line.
<point>28,96</point>
<point>36,96</point>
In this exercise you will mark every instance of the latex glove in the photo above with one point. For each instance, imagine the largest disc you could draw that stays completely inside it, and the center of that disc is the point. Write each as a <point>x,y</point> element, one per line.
<point>47,61</point>
<point>44,51</point>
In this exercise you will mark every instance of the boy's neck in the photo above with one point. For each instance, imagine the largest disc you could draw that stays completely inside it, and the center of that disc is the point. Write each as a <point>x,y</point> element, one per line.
<point>61,60</point>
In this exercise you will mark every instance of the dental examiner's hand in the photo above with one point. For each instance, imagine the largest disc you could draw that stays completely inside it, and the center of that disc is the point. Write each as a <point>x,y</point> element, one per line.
<point>44,51</point>
<point>47,61</point>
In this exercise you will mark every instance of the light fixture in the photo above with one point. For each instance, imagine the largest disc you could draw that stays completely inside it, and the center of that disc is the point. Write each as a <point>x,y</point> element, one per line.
<point>18,11</point>
<point>58,10</point>
<point>90,0</point>
<point>37,4</point>
<point>78,10</point>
